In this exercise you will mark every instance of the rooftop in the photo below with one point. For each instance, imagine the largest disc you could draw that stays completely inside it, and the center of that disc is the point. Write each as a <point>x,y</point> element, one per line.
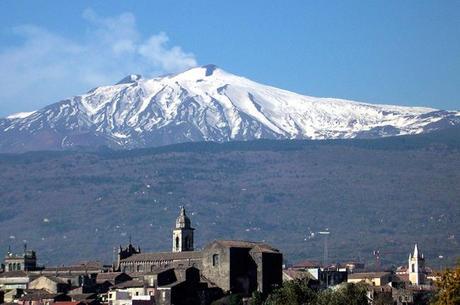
<point>367,275</point>
<point>130,284</point>
<point>256,246</point>
<point>164,256</point>
<point>108,276</point>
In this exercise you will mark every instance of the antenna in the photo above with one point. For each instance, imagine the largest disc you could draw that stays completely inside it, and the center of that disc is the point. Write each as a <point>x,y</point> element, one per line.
<point>376,254</point>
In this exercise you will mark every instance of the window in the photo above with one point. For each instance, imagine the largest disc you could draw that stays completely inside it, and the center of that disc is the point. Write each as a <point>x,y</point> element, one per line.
<point>177,242</point>
<point>215,260</point>
<point>413,268</point>
<point>187,243</point>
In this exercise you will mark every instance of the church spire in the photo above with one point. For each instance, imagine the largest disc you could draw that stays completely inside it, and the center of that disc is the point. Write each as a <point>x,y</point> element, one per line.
<point>182,233</point>
<point>182,221</point>
<point>416,267</point>
<point>415,251</point>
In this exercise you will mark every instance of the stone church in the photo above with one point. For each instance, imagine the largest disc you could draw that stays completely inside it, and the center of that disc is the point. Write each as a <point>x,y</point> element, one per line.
<point>229,265</point>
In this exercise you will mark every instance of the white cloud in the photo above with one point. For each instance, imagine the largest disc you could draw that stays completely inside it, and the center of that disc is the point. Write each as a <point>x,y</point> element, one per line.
<point>46,67</point>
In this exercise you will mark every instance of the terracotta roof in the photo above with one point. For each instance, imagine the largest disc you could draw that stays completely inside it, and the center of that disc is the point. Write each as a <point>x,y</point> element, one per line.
<point>367,275</point>
<point>307,264</point>
<point>164,256</point>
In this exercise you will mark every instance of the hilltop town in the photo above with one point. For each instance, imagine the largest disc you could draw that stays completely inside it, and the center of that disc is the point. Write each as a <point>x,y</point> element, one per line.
<point>186,275</point>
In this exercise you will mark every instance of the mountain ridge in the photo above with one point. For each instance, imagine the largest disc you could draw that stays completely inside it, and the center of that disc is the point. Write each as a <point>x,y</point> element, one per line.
<point>205,104</point>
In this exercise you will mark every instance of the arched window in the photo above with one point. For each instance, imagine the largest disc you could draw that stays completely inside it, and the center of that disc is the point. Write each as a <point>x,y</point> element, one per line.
<point>215,259</point>
<point>10,267</point>
<point>413,267</point>
<point>177,242</point>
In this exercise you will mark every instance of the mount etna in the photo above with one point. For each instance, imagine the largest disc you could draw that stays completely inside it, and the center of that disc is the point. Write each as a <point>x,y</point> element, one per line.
<point>205,104</point>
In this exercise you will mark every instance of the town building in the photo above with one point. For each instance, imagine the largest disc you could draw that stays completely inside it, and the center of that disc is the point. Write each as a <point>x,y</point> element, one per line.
<point>182,276</point>
<point>51,284</point>
<point>26,261</point>
<point>228,265</point>
<point>371,278</point>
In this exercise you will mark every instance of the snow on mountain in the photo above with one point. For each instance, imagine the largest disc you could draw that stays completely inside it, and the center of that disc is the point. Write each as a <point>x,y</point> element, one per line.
<point>205,104</point>
<point>20,115</point>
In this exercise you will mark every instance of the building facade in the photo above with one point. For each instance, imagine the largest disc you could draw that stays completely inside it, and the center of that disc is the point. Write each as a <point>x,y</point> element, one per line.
<point>20,262</point>
<point>229,265</point>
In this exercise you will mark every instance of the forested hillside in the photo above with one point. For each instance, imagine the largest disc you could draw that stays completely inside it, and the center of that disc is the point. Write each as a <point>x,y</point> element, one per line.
<point>370,194</point>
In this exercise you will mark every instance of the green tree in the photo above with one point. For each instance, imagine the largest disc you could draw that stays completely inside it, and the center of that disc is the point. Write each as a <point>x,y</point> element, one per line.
<point>346,294</point>
<point>235,299</point>
<point>449,287</point>
<point>256,298</point>
<point>292,293</point>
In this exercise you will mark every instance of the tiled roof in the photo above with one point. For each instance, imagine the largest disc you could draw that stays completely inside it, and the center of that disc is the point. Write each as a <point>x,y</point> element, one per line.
<point>130,284</point>
<point>164,256</point>
<point>53,279</point>
<point>83,296</point>
<point>39,296</point>
<point>13,274</point>
<point>307,264</point>
<point>367,275</point>
<point>108,276</point>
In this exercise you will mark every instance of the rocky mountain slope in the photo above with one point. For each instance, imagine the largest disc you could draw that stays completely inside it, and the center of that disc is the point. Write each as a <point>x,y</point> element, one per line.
<point>205,104</point>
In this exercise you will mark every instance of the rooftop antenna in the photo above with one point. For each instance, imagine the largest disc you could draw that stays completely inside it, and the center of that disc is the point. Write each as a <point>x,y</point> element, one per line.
<point>325,253</point>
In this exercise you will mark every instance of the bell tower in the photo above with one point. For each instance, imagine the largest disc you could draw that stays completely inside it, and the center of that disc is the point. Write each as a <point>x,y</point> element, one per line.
<point>182,233</point>
<point>416,267</point>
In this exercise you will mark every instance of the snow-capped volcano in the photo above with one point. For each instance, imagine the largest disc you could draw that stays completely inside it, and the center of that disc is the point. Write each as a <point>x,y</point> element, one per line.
<point>205,104</point>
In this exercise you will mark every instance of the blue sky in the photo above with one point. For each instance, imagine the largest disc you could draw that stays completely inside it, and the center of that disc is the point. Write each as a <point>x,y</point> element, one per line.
<point>395,52</point>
